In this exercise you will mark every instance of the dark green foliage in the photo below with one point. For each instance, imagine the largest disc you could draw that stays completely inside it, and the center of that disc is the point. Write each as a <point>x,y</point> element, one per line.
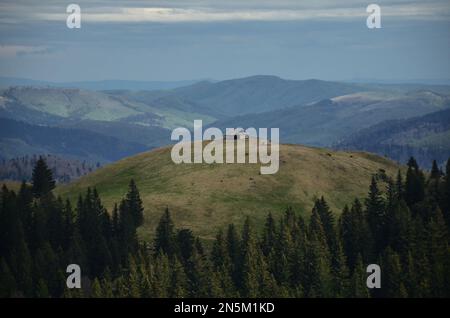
<point>165,241</point>
<point>42,179</point>
<point>134,204</point>
<point>407,235</point>
<point>415,183</point>
<point>376,216</point>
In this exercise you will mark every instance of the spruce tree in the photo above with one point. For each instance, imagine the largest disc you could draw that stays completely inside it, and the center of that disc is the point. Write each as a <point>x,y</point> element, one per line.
<point>42,289</point>
<point>327,219</point>
<point>376,215</point>
<point>221,265</point>
<point>253,266</point>
<point>318,281</point>
<point>445,197</point>
<point>134,204</point>
<point>96,289</point>
<point>7,281</point>
<point>178,287</point>
<point>435,172</point>
<point>392,281</point>
<point>233,245</point>
<point>358,288</point>
<point>415,184</point>
<point>42,179</point>
<point>186,244</point>
<point>165,241</point>
<point>438,253</point>
<point>269,235</point>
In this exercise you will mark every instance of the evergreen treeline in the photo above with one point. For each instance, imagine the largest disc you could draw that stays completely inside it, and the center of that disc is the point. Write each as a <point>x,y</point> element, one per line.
<point>403,225</point>
<point>64,170</point>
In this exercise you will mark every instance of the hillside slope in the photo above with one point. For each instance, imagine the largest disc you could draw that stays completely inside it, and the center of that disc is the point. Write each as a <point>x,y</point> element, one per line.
<point>426,137</point>
<point>331,120</point>
<point>205,197</point>
<point>20,139</point>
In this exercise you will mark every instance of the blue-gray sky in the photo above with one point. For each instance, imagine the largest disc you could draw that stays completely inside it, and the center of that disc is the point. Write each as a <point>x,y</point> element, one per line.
<point>188,39</point>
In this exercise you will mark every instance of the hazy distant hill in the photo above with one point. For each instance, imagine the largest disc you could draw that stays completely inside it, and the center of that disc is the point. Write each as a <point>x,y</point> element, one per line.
<point>201,195</point>
<point>312,112</point>
<point>150,136</point>
<point>18,139</point>
<point>97,85</point>
<point>38,105</point>
<point>258,94</point>
<point>425,137</point>
<point>331,120</point>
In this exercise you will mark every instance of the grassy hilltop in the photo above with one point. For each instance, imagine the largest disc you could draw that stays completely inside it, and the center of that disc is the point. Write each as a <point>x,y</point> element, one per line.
<point>206,197</point>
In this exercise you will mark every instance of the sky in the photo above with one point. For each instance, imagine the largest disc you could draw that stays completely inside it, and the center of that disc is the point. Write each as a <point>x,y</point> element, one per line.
<point>193,39</point>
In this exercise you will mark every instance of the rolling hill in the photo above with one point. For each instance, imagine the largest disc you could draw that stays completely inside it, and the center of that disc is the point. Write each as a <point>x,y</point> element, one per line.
<point>97,85</point>
<point>50,105</point>
<point>19,139</point>
<point>331,120</point>
<point>424,137</point>
<point>205,197</point>
<point>257,94</point>
<point>311,112</point>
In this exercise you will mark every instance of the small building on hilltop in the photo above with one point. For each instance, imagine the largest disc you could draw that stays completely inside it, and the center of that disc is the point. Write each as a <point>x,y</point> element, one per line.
<point>238,133</point>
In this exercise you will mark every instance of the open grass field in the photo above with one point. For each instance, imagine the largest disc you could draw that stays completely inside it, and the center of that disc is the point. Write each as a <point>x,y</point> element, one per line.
<point>206,197</point>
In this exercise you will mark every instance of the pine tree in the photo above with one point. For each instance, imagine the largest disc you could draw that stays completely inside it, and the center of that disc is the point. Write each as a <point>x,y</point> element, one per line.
<point>107,285</point>
<point>161,276</point>
<point>255,277</point>
<point>133,279</point>
<point>435,172</point>
<point>415,184</point>
<point>134,204</point>
<point>438,253</point>
<point>21,266</point>
<point>7,281</point>
<point>376,216</point>
<point>186,244</point>
<point>221,265</point>
<point>269,235</point>
<point>178,280</point>
<point>399,186</point>
<point>392,284</point>
<point>399,227</point>
<point>341,274</point>
<point>42,179</point>
<point>327,220</point>
<point>233,245</point>
<point>165,241</point>
<point>280,259</point>
<point>317,261</point>
<point>445,196</point>
<point>358,288</point>
<point>96,289</point>
<point>42,289</point>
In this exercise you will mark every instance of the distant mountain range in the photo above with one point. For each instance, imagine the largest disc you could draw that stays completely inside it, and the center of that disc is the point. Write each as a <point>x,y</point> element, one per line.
<point>331,120</point>
<point>25,139</point>
<point>423,137</point>
<point>312,112</point>
<point>97,85</point>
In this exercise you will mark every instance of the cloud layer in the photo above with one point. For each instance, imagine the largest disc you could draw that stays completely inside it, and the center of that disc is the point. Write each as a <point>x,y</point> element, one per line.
<point>192,39</point>
<point>210,11</point>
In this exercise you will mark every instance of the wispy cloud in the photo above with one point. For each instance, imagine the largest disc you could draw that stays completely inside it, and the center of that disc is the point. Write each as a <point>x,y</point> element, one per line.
<point>134,12</point>
<point>21,50</point>
<point>174,15</point>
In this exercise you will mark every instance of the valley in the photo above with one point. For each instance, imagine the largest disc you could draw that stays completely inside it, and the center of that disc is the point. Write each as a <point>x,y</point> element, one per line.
<point>309,112</point>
